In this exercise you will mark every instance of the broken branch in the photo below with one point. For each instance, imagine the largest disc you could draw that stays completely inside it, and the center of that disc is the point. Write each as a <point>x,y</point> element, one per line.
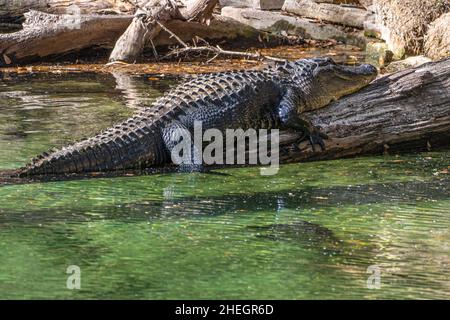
<point>146,25</point>
<point>211,49</point>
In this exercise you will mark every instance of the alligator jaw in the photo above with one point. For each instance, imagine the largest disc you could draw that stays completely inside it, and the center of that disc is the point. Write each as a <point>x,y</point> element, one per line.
<point>364,72</point>
<point>339,80</point>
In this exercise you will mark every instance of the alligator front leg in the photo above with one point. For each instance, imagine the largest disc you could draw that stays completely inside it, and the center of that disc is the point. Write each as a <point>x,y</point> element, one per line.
<point>291,120</point>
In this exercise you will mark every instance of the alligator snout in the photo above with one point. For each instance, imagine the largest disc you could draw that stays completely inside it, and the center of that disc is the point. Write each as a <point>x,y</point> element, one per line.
<point>363,72</point>
<point>368,69</point>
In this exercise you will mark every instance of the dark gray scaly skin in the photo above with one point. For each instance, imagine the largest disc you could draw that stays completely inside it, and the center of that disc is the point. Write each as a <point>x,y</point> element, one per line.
<point>274,97</point>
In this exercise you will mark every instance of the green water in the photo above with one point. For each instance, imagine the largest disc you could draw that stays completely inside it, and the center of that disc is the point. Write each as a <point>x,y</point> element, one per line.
<point>311,231</point>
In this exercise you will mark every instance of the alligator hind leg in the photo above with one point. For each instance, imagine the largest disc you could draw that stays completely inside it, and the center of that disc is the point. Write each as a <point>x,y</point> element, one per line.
<point>179,142</point>
<point>187,168</point>
<point>291,121</point>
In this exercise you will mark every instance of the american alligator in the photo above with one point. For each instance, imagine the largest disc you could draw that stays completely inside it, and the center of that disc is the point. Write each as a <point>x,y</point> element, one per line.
<point>274,97</point>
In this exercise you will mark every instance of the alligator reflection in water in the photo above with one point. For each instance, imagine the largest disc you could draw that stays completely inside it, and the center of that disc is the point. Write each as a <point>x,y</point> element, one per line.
<point>296,230</point>
<point>300,199</point>
<point>307,233</point>
<point>173,205</point>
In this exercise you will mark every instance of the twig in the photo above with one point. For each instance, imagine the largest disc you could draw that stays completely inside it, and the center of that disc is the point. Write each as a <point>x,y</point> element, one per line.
<point>200,39</point>
<point>219,51</point>
<point>184,44</point>
<point>209,48</point>
<point>213,58</point>
<point>117,62</point>
<point>155,53</point>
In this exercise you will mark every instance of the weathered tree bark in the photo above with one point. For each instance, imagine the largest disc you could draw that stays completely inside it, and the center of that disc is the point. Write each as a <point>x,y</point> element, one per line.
<point>14,8</point>
<point>347,16</point>
<point>405,111</point>
<point>46,35</point>
<point>274,22</point>
<point>145,25</point>
<point>198,10</point>
<point>366,3</point>
<point>130,45</point>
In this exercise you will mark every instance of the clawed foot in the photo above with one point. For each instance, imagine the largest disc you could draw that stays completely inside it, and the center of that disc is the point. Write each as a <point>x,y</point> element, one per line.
<point>314,138</point>
<point>317,138</point>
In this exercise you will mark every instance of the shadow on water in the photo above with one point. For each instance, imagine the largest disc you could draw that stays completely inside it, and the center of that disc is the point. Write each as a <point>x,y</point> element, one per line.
<point>298,199</point>
<point>308,234</point>
<point>321,242</point>
<point>173,206</point>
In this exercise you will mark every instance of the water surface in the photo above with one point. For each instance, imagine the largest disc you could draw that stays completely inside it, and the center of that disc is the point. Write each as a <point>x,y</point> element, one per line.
<point>311,231</point>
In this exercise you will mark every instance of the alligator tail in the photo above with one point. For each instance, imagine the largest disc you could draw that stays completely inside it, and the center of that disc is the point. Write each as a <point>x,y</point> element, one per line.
<point>133,144</point>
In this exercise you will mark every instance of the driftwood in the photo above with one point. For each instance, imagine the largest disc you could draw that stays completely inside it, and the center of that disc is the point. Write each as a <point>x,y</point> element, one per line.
<point>16,8</point>
<point>146,24</point>
<point>279,22</point>
<point>130,46</point>
<point>405,111</point>
<point>46,35</point>
<point>215,50</point>
<point>347,16</point>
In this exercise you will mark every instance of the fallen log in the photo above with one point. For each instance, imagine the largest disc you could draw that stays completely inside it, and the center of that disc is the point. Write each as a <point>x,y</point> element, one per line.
<point>146,24</point>
<point>130,46</point>
<point>14,9</point>
<point>405,111</point>
<point>278,22</point>
<point>46,35</point>
<point>347,16</point>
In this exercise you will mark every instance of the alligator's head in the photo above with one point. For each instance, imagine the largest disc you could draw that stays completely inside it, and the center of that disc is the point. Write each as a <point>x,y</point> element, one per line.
<point>327,81</point>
